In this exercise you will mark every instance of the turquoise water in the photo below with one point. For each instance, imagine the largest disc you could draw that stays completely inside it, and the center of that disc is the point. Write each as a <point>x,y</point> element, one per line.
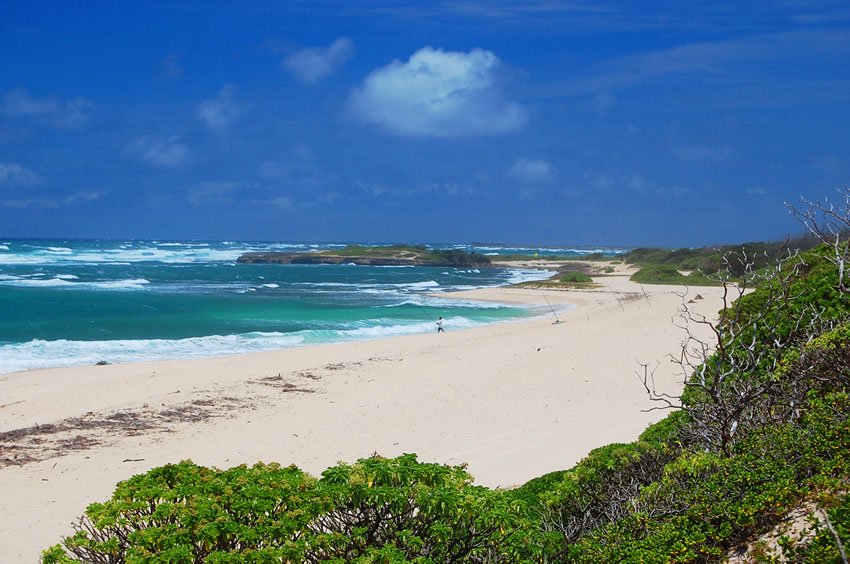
<point>65,303</point>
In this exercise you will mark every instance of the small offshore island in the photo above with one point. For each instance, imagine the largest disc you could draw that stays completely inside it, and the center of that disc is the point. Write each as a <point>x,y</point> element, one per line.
<point>393,255</point>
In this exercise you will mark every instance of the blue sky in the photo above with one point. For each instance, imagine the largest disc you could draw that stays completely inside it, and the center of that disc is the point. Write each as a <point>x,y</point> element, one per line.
<point>539,122</point>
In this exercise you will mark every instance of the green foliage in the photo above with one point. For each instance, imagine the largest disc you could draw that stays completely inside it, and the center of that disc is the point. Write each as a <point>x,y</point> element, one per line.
<point>185,513</point>
<point>575,278</point>
<point>593,493</point>
<point>669,274</point>
<point>817,543</point>
<point>658,274</point>
<point>667,432</point>
<point>533,491</point>
<point>377,251</point>
<point>377,510</point>
<point>418,510</point>
<point>450,257</point>
<point>705,505</point>
<point>709,260</point>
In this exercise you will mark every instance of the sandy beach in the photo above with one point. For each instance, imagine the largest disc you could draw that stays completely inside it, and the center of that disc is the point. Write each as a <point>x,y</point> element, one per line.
<point>513,401</point>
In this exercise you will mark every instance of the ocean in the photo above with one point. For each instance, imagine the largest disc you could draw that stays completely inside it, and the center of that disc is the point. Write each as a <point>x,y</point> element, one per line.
<point>80,302</point>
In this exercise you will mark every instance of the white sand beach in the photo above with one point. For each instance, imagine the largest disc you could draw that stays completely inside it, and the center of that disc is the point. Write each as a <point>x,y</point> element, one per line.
<point>513,401</point>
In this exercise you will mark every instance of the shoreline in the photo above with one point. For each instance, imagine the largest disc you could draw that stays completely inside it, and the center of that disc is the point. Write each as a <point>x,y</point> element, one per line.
<point>213,345</point>
<point>512,400</point>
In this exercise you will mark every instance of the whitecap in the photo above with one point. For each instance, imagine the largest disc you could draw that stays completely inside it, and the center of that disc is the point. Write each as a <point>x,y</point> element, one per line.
<point>61,281</point>
<point>425,284</point>
<point>270,286</point>
<point>45,354</point>
<point>133,284</point>
<point>518,276</point>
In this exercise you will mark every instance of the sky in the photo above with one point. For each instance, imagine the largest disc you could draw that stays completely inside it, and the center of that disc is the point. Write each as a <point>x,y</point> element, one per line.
<point>540,122</point>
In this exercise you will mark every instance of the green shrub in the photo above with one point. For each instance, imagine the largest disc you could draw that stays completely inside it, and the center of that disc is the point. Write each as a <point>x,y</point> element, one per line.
<point>575,278</point>
<point>374,510</point>
<point>658,274</point>
<point>705,505</point>
<point>817,543</point>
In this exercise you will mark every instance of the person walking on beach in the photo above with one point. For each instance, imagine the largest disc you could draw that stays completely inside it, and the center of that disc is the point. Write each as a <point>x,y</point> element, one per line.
<point>440,326</point>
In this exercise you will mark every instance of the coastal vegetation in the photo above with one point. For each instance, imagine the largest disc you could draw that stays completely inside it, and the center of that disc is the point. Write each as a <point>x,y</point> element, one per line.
<point>575,278</point>
<point>390,255</point>
<point>669,274</point>
<point>751,464</point>
<point>704,266</point>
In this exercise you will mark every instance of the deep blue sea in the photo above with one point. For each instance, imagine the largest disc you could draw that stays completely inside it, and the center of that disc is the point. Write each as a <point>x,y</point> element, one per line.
<point>72,302</point>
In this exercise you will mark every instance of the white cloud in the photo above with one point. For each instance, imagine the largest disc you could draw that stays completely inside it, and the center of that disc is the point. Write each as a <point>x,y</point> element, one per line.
<point>165,152</point>
<point>282,202</point>
<point>313,64</point>
<point>405,190</point>
<point>642,185</point>
<point>88,196</point>
<point>220,112</point>
<point>14,175</point>
<point>532,171</point>
<point>47,111</point>
<point>438,93</point>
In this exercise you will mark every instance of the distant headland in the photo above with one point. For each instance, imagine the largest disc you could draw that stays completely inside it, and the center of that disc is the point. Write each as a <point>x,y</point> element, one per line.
<point>393,255</point>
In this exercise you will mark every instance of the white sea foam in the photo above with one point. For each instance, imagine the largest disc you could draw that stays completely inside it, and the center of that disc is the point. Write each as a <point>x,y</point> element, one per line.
<point>117,255</point>
<point>67,277</point>
<point>270,286</point>
<point>4,247</point>
<point>416,285</point>
<point>516,276</point>
<point>134,284</point>
<point>63,281</point>
<point>46,354</point>
<point>35,283</point>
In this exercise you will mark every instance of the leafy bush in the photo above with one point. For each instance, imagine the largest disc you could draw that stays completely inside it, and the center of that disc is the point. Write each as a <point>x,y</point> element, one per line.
<point>709,260</point>
<point>599,489</point>
<point>575,278</point>
<point>659,274</point>
<point>705,505</point>
<point>375,510</point>
<point>817,543</point>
